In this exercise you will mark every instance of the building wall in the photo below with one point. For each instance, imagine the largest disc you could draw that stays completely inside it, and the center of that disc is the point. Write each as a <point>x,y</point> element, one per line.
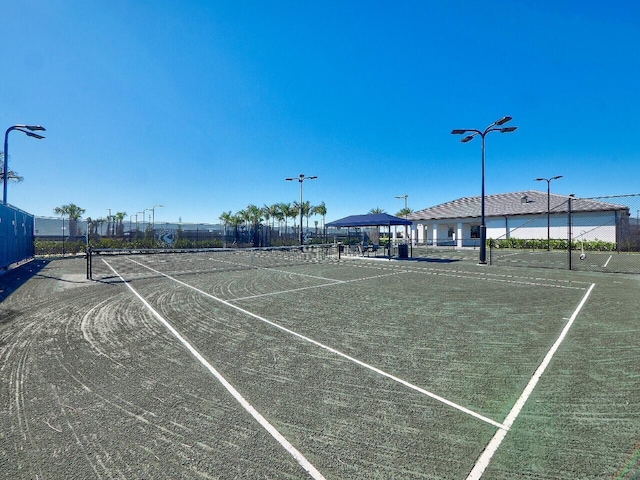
<point>589,226</point>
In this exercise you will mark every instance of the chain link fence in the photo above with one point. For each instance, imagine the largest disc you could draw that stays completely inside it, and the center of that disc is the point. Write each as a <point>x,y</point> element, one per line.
<point>591,234</point>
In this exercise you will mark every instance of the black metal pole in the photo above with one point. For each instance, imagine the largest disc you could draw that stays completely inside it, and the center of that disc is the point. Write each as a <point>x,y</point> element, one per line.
<point>569,231</point>
<point>483,225</point>
<point>548,215</point>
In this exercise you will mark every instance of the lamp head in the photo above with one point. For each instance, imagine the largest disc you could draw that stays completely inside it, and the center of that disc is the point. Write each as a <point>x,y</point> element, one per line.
<point>508,129</point>
<point>34,135</point>
<point>458,132</point>
<point>503,120</point>
<point>34,128</point>
<point>467,138</point>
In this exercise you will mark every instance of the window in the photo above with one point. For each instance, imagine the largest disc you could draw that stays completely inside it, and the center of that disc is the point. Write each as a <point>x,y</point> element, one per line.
<point>475,231</point>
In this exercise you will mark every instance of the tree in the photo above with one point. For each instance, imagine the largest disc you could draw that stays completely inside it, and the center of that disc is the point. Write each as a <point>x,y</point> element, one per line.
<point>226,219</point>
<point>322,211</point>
<point>253,214</point>
<point>286,211</point>
<point>404,212</point>
<point>119,226</point>
<point>307,211</point>
<point>74,213</point>
<point>376,210</point>
<point>13,176</point>
<point>236,221</point>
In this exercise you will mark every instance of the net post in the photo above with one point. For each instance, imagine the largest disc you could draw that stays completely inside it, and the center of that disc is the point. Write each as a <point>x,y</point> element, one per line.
<point>89,273</point>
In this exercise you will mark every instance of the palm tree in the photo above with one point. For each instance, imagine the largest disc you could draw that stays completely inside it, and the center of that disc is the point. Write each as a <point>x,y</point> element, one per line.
<point>13,176</point>
<point>322,211</point>
<point>119,226</point>
<point>74,213</point>
<point>254,219</point>
<point>225,218</point>
<point>236,221</point>
<point>307,211</point>
<point>295,213</point>
<point>404,212</point>
<point>273,212</point>
<point>285,210</point>
<point>376,210</point>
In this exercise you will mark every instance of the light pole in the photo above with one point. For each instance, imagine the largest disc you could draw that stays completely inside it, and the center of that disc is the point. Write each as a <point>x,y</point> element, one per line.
<point>494,127</point>
<point>153,215</point>
<point>28,132</point>
<point>405,213</point>
<point>548,180</point>
<point>109,223</point>
<point>301,178</point>
<point>153,221</point>
<point>144,210</point>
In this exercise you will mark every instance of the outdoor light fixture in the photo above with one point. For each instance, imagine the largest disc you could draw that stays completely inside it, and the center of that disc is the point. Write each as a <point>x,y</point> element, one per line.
<point>548,180</point>
<point>494,127</point>
<point>301,178</point>
<point>28,131</point>
<point>406,232</point>
<point>153,214</point>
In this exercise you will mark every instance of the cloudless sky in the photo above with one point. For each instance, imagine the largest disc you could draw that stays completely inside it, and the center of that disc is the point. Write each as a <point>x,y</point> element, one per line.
<point>206,106</point>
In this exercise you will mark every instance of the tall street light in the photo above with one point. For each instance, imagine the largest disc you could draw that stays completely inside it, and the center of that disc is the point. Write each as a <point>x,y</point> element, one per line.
<point>301,178</point>
<point>28,132</point>
<point>548,180</point>
<point>405,213</point>
<point>153,219</point>
<point>494,127</point>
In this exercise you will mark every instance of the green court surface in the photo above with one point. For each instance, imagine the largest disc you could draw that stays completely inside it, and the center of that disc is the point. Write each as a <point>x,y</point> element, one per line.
<point>233,367</point>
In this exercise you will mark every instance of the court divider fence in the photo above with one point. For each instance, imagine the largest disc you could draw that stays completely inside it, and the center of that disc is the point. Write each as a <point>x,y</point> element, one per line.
<point>578,238</point>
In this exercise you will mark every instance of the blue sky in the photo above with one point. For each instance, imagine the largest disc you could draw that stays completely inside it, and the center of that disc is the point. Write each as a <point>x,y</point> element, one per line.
<point>205,107</point>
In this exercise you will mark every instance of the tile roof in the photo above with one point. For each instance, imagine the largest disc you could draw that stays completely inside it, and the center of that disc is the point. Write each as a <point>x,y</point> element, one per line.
<point>503,204</point>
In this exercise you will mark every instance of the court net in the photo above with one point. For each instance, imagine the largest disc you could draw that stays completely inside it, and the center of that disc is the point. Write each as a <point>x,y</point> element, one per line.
<point>102,262</point>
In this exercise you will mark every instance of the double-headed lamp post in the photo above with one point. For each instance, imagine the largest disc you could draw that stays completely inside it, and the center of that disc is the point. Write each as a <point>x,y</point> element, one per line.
<point>28,131</point>
<point>301,178</point>
<point>548,180</point>
<point>494,127</point>
<point>405,214</point>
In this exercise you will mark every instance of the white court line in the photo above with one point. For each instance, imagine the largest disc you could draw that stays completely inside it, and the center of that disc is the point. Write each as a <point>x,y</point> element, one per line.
<point>608,260</point>
<point>333,350</point>
<point>302,461</point>
<point>334,282</point>
<point>483,461</point>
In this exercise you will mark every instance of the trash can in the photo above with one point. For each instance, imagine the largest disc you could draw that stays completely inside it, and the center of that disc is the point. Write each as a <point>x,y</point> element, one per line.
<point>403,250</point>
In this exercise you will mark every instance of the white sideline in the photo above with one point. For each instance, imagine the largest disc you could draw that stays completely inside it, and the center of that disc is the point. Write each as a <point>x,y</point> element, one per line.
<point>333,350</point>
<point>302,461</point>
<point>483,461</point>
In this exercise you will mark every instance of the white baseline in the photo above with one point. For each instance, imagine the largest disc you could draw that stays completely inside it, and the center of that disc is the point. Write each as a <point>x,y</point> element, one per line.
<point>483,461</point>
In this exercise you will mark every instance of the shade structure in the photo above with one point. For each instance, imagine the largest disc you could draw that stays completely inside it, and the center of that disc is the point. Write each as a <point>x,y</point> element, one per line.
<point>370,220</point>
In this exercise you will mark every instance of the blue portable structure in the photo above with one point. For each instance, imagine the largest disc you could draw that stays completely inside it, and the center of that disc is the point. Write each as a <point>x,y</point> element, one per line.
<point>373,220</point>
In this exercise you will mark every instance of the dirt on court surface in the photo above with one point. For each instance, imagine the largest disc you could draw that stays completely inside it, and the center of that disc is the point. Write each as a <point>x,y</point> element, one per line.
<point>95,385</point>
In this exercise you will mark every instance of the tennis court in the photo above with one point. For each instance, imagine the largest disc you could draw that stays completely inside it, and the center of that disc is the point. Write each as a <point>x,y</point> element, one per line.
<point>271,365</point>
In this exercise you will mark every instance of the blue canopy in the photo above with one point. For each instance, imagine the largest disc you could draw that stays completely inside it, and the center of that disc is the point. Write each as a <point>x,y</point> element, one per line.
<point>370,220</point>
